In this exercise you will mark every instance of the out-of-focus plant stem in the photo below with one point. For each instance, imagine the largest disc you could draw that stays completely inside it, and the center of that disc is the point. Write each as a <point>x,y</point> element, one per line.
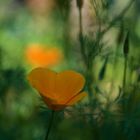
<point>89,78</point>
<point>50,125</point>
<point>87,62</point>
<point>81,37</point>
<point>124,73</point>
<point>0,58</point>
<point>124,81</point>
<point>125,51</point>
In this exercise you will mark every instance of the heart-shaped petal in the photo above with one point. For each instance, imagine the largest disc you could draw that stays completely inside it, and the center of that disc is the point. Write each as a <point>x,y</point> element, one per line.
<point>44,81</point>
<point>68,84</point>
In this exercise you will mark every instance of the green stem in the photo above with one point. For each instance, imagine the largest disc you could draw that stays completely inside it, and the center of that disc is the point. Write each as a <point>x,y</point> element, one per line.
<point>0,58</point>
<point>87,63</point>
<point>81,37</point>
<point>124,81</point>
<point>89,78</point>
<point>50,125</point>
<point>124,73</point>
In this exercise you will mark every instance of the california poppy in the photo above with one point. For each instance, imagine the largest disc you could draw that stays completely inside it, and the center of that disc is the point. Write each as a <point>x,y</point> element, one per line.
<point>41,56</point>
<point>58,89</point>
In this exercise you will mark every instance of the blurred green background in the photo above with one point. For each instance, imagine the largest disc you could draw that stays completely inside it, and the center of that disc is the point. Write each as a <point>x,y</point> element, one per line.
<point>88,36</point>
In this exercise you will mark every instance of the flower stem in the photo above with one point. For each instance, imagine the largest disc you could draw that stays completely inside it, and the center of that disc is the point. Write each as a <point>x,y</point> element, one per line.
<point>82,47</point>
<point>124,73</point>
<point>124,81</point>
<point>50,125</point>
<point>87,63</point>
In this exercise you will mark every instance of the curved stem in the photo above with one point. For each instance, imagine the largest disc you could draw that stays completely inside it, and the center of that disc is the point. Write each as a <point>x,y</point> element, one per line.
<point>50,124</point>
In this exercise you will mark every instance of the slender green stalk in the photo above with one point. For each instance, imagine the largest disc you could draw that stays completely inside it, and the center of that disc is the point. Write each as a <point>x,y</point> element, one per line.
<point>50,125</point>
<point>81,37</point>
<point>125,51</point>
<point>0,58</point>
<point>89,78</point>
<point>124,73</point>
<point>83,52</point>
<point>124,83</point>
<point>88,63</point>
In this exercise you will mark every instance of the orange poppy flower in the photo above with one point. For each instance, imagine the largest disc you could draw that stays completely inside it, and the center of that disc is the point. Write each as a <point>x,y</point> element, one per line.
<point>39,56</point>
<point>58,89</point>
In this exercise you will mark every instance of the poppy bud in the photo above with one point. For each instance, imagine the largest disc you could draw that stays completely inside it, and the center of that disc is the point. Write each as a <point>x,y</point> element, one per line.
<point>79,4</point>
<point>103,69</point>
<point>126,45</point>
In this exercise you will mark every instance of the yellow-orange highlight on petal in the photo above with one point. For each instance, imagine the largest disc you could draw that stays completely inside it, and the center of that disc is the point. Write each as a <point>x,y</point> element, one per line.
<point>58,90</point>
<point>41,56</point>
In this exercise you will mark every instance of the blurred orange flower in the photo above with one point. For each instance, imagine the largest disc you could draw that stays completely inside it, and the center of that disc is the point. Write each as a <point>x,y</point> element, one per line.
<point>37,55</point>
<point>58,89</point>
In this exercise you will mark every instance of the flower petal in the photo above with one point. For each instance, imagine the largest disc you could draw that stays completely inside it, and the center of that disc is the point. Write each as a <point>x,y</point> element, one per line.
<point>77,98</point>
<point>68,84</point>
<point>44,81</point>
<point>52,104</point>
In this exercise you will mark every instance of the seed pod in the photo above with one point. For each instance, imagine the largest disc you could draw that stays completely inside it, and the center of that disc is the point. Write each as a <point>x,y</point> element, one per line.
<point>103,69</point>
<point>126,45</point>
<point>79,3</point>
<point>120,36</point>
